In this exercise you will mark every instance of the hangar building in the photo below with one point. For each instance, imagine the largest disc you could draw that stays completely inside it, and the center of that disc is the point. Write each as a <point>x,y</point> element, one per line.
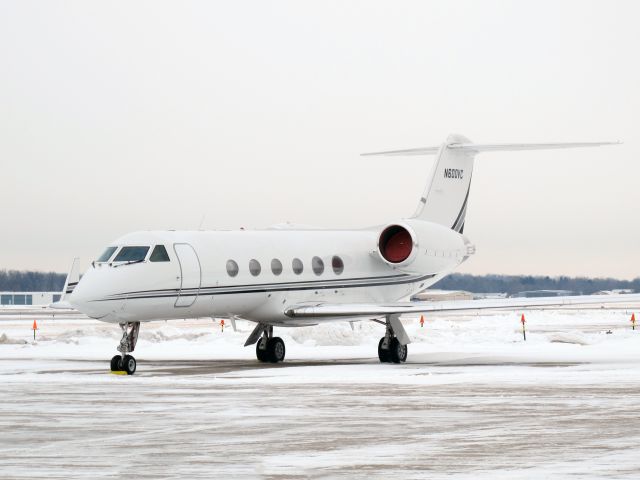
<point>28,298</point>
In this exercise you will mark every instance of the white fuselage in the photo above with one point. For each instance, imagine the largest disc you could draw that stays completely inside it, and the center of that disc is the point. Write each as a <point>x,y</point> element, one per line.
<point>195,281</point>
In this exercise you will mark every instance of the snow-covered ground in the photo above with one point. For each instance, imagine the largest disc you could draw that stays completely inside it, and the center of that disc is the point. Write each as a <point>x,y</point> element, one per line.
<point>473,401</point>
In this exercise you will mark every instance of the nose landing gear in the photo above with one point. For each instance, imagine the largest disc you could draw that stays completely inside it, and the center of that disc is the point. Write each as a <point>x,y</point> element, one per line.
<point>125,363</point>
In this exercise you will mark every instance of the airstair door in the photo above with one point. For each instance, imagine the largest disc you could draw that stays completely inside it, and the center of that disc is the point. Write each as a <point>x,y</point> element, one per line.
<point>190,274</point>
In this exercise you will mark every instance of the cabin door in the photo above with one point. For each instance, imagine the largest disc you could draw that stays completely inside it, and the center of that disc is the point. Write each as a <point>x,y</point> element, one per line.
<point>190,274</point>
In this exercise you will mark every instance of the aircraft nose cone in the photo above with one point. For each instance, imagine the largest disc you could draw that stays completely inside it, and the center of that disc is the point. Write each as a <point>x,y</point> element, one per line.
<point>85,298</point>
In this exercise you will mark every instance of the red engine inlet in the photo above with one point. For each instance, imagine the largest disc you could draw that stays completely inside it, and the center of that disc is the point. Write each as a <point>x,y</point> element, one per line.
<point>395,244</point>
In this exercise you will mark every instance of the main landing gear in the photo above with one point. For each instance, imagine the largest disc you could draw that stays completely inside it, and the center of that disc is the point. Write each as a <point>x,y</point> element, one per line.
<point>125,363</point>
<point>268,348</point>
<point>392,348</point>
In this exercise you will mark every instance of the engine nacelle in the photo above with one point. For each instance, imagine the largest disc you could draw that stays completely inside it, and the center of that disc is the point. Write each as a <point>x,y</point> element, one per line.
<point>416,246</point>
<point>397,245</point>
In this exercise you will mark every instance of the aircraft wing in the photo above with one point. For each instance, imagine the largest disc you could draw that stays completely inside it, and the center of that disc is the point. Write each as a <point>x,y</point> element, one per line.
<point>379,309</point>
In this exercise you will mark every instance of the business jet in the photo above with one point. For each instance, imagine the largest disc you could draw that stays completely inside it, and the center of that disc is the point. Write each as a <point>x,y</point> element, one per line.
<point>290,276</point>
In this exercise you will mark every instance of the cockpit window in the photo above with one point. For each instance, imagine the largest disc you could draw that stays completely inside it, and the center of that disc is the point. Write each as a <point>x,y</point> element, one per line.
<point>159,254</point>
<point>131,254</point>
<point>107,254</point>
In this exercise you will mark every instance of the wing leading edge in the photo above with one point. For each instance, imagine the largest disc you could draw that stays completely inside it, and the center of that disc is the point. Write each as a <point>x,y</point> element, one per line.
<point>379,309</point>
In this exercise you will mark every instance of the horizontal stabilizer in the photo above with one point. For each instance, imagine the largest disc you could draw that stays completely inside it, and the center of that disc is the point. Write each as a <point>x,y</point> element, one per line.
<point>491,147</point>
<point>410,151</point>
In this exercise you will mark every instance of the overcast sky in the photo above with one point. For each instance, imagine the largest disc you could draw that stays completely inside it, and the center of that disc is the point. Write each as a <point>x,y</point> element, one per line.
<point>123,116</point>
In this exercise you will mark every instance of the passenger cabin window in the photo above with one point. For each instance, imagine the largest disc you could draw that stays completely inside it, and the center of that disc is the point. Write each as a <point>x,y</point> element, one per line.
<point>159,254</point>
<point>254,267</point>
<point>232,268</point>
<point>317,265</point>
<point>276,266</point>
<point>337,264</point>
<point>107,254</point>
<point>131,254</point>
<point>297,266</point>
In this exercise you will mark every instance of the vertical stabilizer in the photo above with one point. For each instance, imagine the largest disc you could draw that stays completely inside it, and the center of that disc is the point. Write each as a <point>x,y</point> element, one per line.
<point>446,195</point>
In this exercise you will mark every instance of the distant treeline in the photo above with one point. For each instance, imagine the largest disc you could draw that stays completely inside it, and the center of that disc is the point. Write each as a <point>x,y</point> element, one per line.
<point>19,281</point>
<point>518,283</point>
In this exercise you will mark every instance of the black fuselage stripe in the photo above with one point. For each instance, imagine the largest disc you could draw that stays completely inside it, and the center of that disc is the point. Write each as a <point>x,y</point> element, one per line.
<point>461,221</point>
<point>309,283</point>
<point>263,289</point>
<point>460,216</point>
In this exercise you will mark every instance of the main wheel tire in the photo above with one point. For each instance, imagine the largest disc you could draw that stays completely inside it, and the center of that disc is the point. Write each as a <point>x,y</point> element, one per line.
<point>261,354</point>
<point>116,363</point>
<point>397,351</point>
<point>275,349</point>
<point>383,355</point>
<point>129,364</point>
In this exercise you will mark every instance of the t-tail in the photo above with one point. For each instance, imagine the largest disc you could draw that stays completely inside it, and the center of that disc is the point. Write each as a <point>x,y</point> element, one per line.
<point>446,196</point>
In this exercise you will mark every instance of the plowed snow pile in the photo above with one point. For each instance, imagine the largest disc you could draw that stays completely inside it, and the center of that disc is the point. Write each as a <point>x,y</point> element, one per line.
<point>551,335</point>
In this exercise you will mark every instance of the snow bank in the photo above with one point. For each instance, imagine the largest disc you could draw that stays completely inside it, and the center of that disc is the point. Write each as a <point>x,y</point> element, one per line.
<point>4,340</point>
<point>551,335</point>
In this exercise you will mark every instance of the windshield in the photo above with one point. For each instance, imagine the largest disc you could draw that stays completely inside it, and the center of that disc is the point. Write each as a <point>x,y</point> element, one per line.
<point>107,254</point>
<point>159,254</point>
<point>131,254</point>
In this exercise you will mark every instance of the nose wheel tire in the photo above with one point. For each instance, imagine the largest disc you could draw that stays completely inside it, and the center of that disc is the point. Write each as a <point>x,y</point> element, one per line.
<point>275,350</point>
<point>129,365</point>
<point>116,363</point>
